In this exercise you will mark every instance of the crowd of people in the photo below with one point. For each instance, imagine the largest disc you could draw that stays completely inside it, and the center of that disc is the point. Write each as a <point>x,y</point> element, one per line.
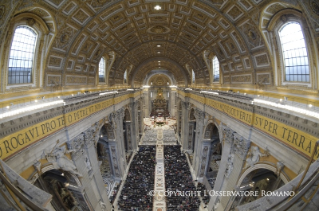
<point>139,181</point>
<point>203,192</point>
<point>178,178</point>
<point>169,136</point>
<point>150,136</point>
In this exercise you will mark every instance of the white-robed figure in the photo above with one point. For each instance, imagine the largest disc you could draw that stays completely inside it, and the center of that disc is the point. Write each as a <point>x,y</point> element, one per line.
<point>57,157</point>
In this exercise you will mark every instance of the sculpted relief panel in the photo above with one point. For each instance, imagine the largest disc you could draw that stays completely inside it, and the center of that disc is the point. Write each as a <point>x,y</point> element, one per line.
<point>241,79</point>
<point>75,80</point>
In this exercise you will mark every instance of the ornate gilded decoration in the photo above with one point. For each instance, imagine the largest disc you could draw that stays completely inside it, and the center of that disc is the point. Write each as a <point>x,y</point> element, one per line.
<point>235,12</point>
<point>31,22</point>
<point>262,60</point>
<point>2,11</point>
<point>159,29</point>
<point>241,79</point>
<point>315,6</point>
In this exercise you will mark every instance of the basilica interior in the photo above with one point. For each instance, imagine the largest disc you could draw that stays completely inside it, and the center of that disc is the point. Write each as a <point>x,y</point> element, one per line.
<point>159,105</point>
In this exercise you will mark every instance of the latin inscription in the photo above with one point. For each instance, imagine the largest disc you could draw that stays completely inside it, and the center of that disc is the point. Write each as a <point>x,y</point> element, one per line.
<point>17,141</point>
<point>296,139</point>
<point>289,135</point>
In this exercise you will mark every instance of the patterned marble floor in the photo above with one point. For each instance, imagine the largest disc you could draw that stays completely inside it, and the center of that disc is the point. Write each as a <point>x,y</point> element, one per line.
<point>159,203</point>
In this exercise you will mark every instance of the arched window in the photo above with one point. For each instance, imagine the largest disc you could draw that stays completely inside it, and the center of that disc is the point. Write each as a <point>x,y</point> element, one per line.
<point>125,76</point>
<point>295,57</point>
<point>216,69</point>
<point>193,77</point>
<point>102,70</point>
<point>21,55</point>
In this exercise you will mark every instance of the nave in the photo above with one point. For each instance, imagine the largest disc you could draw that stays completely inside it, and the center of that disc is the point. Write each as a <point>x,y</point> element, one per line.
<point>158,168</point>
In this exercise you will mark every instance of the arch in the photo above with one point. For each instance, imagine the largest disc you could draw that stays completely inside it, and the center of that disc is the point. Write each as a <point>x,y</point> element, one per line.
<point>216,69</point>
<point>276,23</point>
<point>104,156</point>
<point>212,135</point>
<point>102,70</point>
<point>261,166</point>
<point>193,77</point>
<point>302,61</point>
<point>145,62</point>
<point>65,189</point>
<point>261,178</point>
<point>211,130</point>
<point>22,55</point>
<point>43,42</point>
<point>125,80</point>
<point>106,132</point>
<point>149,76</point>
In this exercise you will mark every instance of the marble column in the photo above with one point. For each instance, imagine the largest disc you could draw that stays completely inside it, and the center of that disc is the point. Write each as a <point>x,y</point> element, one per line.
<point>146,105</point>
<point>178,124</point>
<point>172,96</point>
<point>134,125</point>
<point>140,116</point>
<point>228,139</point>
<point>185,126</point>
<point>197,158</point>
<point>120,147</point>
<point>205,148</point>
<point>85,159</point>
<point>234,152</point>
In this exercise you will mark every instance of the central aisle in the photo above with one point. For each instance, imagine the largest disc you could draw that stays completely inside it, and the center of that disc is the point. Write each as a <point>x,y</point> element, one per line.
<point>159,187</point>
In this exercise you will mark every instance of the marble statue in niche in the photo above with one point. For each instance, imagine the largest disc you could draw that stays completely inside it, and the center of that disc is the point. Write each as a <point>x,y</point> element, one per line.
<point>230,166</point>
<point>254,155</point>
<point>57,157</point>
<point>88,163</point>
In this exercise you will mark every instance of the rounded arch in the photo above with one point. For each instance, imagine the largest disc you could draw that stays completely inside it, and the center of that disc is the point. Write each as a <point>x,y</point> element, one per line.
<point>261,166</point>
<point>276,22</point>
<point>45,15</point>
<point>211,129</point>
<point>42,44</point>
<point>182,71</point>
<point>262,178</point>
<point>149,76</point>
<point>58,182</point>
<point>103,156</point>
<point>106,132</point>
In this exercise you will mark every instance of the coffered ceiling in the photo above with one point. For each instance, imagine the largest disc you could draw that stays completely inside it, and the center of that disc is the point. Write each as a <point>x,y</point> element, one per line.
<point>185,34</point>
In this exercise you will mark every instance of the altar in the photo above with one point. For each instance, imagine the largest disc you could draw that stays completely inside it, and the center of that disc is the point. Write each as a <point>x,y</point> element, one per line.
<point>160,105</point>
<point>160,119</point>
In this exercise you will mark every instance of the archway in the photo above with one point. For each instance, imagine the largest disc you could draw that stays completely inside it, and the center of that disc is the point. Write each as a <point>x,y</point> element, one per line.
<point>260,181</point>
<point>191,130</point>
<point>127,134</point>
<point>103,151</point>
<point>212,134</point>
<point>65,190</point>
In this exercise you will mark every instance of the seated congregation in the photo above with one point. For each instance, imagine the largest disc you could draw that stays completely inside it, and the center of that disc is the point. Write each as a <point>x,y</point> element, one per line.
<point>139,181</point>
<point>178,178</point>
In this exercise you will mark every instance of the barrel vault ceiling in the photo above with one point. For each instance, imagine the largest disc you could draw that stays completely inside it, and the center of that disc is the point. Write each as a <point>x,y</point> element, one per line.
<point>184,35</point>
